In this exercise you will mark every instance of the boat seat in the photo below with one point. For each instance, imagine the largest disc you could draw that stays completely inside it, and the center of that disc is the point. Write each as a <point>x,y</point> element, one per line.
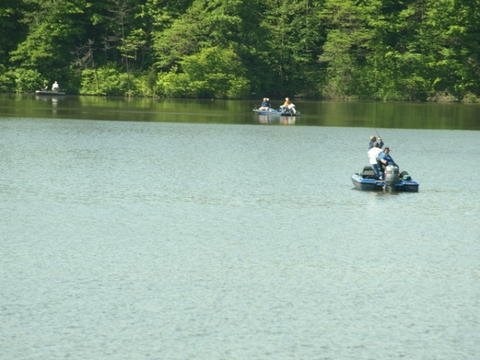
<point>368,172</point>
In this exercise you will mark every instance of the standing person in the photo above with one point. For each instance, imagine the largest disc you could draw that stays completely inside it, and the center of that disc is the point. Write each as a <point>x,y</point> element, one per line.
<point>373,140</point>
<point>372,159</point>
<point>288,105</point>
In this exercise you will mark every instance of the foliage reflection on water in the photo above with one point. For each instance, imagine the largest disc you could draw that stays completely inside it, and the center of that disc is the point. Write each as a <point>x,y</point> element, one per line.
<point>315,113</point>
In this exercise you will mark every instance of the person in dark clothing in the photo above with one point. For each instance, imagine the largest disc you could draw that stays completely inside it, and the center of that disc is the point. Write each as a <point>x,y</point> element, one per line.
<point>375,139</point>
<point>265,105</point>
<point>384,159</point>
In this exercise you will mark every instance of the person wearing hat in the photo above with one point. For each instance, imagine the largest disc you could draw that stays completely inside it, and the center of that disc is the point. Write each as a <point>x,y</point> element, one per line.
<point>384,158</point>
<point>265,104</point>
<point>288,105</point>
<point>374,139</point>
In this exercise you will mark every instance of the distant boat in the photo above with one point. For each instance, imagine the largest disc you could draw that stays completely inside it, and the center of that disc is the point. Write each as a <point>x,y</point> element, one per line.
<point>275,112</point>
<point>49,93</point>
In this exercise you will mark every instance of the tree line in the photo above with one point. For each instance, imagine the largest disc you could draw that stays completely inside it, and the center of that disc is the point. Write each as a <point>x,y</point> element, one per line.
<point>420,50</point>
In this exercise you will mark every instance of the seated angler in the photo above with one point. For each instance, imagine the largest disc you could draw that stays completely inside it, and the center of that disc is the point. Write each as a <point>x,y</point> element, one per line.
<point>265,105</point>
<point>288,105</point>
<point>384,158</point>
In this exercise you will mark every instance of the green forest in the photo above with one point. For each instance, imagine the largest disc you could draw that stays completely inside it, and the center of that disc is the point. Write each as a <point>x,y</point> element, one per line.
<point>388,50</point>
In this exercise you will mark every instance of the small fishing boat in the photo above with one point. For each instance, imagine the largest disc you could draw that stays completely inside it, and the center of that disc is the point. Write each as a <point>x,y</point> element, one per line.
<point>276,112</point>
<point>49,93</point>
<point>394,181</point>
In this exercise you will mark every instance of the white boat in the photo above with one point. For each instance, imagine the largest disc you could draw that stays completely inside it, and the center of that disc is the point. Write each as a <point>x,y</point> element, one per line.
<point>49,93</point>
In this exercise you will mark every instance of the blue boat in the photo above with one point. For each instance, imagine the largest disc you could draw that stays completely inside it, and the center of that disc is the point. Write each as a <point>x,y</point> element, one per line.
<point>276,112</point>
<point>394,181</point>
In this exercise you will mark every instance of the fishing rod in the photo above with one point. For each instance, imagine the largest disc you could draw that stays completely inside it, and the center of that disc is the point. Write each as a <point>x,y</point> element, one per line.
<point>379,138</point>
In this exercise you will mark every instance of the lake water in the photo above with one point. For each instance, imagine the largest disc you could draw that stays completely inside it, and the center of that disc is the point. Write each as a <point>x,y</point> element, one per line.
<point>209,235</point>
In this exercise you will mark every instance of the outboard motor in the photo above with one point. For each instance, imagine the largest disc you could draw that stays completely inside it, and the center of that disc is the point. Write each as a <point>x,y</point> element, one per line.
<point>391,175</point>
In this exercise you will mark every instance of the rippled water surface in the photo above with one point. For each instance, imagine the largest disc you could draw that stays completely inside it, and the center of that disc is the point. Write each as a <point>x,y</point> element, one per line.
<point>140,240</point>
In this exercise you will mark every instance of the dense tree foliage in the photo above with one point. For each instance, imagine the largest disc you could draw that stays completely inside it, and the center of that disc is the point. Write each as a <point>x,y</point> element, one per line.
<point>372,49</point>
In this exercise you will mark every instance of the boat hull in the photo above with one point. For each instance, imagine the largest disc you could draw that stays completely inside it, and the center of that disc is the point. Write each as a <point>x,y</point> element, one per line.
<point>274,112</point>
<point>49,93</point>
<point>370,184</point>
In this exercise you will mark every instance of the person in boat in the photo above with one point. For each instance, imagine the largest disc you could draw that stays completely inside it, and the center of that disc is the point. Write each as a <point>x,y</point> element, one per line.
<point>385,159</point>
<point>55,86</point>
<point>374,139</point>
<point>265,105</point>
<point>288,105</point>
<point>373,154</point>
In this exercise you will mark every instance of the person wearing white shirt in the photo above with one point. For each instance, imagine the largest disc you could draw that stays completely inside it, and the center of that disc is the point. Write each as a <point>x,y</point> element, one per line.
<point>372,159</point>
